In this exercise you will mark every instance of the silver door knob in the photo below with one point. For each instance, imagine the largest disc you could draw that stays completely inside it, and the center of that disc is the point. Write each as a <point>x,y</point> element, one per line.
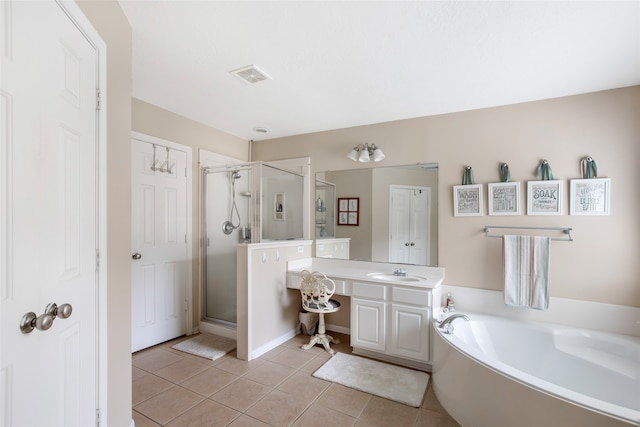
<point>136,256</point>
<point>30,321</point>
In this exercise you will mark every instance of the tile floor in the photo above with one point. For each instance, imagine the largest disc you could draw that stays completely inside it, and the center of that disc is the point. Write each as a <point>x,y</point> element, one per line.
<point>172,388</point>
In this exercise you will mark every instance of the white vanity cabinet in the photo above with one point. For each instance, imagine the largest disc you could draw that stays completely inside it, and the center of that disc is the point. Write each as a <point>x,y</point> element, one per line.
<point>369,316</point>
<point>391,321</point>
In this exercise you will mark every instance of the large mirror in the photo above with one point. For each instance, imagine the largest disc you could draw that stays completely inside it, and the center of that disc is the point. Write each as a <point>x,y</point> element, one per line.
<point>397,214</point>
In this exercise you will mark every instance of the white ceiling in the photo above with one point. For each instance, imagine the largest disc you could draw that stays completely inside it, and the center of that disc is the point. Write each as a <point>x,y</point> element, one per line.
<point>336,64</point>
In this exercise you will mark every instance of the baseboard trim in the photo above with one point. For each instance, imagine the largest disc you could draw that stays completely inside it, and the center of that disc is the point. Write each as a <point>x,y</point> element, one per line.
<point>421,366</point>
<point>274,343</point>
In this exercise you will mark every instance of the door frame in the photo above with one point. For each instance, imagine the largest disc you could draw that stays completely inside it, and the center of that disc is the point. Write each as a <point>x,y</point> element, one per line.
<point>189,330</point>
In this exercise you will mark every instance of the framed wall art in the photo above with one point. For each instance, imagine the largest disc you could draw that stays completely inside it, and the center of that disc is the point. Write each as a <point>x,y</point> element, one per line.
<point>544,197</point>
<point>504,198</point>
<point>467,200</point>
<point>590,196</point>
<point>348,211</point>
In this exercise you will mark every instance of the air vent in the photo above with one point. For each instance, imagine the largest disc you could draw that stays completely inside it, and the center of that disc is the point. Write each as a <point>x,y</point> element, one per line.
<point>250,74</point>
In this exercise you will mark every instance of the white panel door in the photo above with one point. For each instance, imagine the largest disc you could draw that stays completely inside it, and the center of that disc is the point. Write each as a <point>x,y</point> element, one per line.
<point>159,243</point>
<point>48,234</point>
<point>409,219</point>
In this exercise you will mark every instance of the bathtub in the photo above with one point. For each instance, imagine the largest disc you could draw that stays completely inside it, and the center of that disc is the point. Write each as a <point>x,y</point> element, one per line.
<point>494,372</point>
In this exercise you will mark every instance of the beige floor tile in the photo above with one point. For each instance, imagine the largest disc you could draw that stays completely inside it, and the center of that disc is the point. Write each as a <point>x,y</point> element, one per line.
<point>205,414</point>
<point>269,355</point>
<point>278,409</point>
<point>247,421</point>
<point>319,416</point>
<point>137,373</point>
<point>241,394</point>
<point>315,363</point>
<point>237,366</point>
<point>304,385</point>
<point>142,421</point>
<point>382,412</point>
<point>169,404</point>
<point>269,373</point>
<point>292,358</point>
<point>148,386</point>
<point>181,370</point>
<point>343,399</point>
<point>427,418</point>
<point>156,359</point>
<point>209,381</point>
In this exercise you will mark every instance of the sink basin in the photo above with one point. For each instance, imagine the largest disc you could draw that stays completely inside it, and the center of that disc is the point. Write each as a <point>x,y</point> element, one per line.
<point>393,278</point>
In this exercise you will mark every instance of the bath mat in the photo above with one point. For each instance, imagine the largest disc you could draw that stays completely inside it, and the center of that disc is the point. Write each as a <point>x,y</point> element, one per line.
<point>381,379</point>
<point>207,345</point>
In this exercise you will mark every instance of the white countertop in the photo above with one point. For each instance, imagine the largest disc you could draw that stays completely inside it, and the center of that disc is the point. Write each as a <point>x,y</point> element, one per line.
<point>423,276</point>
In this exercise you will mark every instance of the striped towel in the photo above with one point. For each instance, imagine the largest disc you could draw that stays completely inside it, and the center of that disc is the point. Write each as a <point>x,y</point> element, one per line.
<point>526,271</point>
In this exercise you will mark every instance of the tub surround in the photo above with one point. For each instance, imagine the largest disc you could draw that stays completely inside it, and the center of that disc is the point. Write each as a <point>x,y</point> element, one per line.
<point>390,314</point>
<point>617,319</point>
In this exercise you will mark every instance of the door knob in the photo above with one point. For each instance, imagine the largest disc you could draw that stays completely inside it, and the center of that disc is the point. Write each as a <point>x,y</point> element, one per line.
<point>30,321</point>
<point>136,256</point>
<point>413,244</point>
<point>406,244</point>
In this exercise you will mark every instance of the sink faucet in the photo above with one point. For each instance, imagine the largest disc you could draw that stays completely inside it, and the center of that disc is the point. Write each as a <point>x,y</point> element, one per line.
<point>399,272</point>
<point>447,326</point>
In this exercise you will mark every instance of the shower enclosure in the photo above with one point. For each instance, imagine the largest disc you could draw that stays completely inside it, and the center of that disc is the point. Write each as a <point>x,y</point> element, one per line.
<point>242,204</point>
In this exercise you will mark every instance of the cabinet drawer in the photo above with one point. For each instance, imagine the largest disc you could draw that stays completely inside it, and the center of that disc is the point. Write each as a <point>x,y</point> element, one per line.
<point>368,290</point>
<point>411,296</point>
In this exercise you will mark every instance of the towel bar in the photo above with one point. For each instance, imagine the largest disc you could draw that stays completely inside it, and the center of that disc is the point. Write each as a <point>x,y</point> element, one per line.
<point>565,230</point>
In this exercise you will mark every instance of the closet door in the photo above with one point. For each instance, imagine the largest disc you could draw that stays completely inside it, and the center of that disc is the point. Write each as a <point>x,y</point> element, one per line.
<point>409,219</point>
<point>159,244</point>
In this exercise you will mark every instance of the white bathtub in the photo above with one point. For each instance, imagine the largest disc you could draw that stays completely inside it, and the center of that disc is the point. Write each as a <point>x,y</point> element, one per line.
<point>495,372</point>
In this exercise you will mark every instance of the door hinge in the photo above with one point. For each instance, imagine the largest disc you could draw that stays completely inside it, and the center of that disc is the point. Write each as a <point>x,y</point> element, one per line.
<point>98,99</point>
<point>97,259</point>
<point>97,417</point>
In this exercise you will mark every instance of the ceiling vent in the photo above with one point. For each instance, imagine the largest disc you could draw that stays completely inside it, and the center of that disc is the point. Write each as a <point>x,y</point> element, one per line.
<point>250,74</point>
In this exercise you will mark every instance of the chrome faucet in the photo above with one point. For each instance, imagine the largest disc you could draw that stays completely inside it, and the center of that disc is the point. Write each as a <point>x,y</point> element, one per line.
<point>447,326</point>
<point>399,272</point>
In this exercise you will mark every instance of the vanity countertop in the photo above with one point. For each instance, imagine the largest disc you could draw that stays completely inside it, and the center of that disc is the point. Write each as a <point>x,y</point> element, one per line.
<point>418,276</point>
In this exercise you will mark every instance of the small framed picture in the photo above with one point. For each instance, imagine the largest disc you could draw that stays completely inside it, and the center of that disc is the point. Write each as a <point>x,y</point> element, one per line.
<point>504,198</point>
<point>467,200</point>
<point>348,211</point>
<point>278,207</point>
<point>544,197</point>
<point>590,196</point>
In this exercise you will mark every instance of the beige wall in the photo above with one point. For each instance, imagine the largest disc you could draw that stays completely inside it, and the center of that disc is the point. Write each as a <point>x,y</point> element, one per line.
<point>108,19</point>
<point>154,121</point>
<point>600,265</point>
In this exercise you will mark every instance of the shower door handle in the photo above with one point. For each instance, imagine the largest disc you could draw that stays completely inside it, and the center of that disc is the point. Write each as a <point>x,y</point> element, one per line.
<point>136,256</point>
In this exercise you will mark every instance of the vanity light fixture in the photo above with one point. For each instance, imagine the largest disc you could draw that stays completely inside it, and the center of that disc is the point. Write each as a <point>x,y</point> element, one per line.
<point>364,152</point>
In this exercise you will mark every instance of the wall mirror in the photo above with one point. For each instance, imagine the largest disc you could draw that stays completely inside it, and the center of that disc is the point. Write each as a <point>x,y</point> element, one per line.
<point>397,213</point>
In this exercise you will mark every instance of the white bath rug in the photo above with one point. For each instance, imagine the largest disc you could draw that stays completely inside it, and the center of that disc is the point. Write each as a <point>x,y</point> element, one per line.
<point>207,345</point>
<point>381,379</point>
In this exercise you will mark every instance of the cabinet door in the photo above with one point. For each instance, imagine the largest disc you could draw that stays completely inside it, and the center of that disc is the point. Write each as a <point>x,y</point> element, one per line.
<point>410,332</point>
<point>368,322</point>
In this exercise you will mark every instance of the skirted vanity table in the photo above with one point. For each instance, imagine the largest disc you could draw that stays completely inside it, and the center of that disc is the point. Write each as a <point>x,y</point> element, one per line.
<point>391,305</point>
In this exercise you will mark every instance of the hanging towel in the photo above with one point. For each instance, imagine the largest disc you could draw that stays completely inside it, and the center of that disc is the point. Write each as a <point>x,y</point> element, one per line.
<point>526,271</point>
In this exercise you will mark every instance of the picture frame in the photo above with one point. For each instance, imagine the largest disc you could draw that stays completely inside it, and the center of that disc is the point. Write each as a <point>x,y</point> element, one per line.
<point>349,211</point>
<point>279,207</point>
<point>590,196</point>
<point>545,197</point>
<point>504,198</point>
<point>468,200</point>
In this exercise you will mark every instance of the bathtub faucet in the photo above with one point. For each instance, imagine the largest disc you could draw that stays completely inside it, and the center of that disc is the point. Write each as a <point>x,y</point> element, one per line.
<point>447,326</point>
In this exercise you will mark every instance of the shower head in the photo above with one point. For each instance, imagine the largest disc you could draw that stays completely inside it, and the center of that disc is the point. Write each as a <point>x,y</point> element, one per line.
<point>235,175</point>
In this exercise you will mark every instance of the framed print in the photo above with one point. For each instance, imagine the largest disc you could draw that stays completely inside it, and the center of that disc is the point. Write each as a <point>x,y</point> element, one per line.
<point>504,198</point>
<point>467,200</point>
<point>590,196</point>
<point>348,211</point>
<point>544,197</point>
<point>278,207</point>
